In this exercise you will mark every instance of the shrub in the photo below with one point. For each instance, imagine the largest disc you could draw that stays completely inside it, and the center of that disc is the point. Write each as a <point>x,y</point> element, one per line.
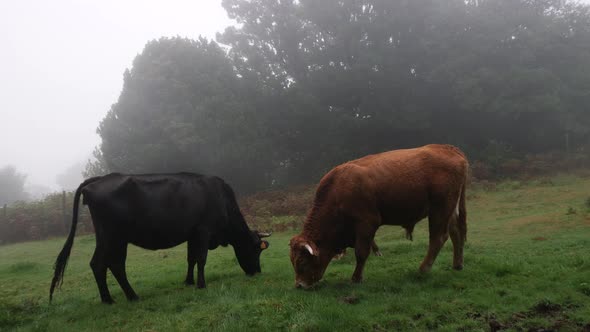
<point>41,219</point>
<point>481,171</point>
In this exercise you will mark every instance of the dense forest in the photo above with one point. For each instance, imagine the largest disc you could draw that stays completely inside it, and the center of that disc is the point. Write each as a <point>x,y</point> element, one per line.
<point>300,86</point>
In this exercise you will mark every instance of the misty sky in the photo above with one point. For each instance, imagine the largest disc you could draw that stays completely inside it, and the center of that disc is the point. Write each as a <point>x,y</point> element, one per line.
<point>61,67</point>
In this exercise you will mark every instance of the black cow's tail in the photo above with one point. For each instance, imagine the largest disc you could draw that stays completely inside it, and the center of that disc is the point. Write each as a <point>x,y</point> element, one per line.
<point>62,259</point>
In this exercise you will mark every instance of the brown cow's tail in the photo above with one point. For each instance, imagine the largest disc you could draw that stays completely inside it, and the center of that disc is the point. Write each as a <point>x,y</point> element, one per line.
<point>62,258</point>
<point>462,217</point>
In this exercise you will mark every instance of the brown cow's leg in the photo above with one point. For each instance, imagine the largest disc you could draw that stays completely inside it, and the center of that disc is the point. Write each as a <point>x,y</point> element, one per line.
<point>438,234</point>
<point>117,257</point>
<point>375,249</point>
<point>362,248</point>
<point>458,243</point>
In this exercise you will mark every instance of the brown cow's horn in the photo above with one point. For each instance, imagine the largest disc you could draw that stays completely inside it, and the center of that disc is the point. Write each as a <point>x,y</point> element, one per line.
<point>264,234</point>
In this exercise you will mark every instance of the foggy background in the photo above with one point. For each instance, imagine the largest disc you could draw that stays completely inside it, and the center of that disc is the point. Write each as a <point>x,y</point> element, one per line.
<point>61,68</point>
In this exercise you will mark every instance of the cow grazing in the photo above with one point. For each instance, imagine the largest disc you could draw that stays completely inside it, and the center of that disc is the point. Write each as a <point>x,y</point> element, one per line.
<point>158,211</point>
<point>398,187</point>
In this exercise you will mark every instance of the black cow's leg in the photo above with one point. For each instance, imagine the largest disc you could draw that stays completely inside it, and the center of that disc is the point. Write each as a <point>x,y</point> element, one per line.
<point>201,251</point>
<point>192,260</point>
<point>99,268</point>
<point>117,257</point>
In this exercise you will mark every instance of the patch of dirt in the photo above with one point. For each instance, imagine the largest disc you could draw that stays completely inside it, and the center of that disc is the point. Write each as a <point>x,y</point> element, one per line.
<point>554,311</point>
<point>539,238</point>
<point>350,299</point>
<point>534,219</point>
<point>545,308</point>
<point>495,325</point>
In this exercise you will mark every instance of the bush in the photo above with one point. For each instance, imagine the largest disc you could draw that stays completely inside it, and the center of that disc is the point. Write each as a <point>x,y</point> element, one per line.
<point>41,219</point>
<point>481,171</point>
<point>278,210</point>
<point>502,163</point>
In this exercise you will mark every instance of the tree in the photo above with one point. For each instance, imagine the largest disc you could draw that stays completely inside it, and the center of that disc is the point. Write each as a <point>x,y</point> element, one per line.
<point>401,73</point>
<point>96,165</point>
<point>306,85</point>
<point>184,108</point>
<point>12,185</point>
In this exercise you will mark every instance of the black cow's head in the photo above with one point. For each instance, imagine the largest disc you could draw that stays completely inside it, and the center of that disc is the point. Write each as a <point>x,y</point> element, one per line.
<point>248,251</point>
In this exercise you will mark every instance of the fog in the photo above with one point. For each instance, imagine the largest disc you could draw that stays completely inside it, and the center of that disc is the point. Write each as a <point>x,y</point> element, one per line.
<point>62,64</point>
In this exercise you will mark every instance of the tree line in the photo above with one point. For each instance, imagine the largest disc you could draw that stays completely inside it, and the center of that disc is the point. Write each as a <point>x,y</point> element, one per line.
<point>300,86</point>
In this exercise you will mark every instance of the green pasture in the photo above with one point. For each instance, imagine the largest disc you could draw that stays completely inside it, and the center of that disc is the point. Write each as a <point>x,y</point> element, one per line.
<point>527,266</point>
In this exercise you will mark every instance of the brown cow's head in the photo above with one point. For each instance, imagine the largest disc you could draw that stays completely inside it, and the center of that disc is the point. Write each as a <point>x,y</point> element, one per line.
<point>307,262</point>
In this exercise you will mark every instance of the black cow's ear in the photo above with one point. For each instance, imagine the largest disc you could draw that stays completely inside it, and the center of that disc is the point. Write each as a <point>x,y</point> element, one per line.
<point>263,245</point>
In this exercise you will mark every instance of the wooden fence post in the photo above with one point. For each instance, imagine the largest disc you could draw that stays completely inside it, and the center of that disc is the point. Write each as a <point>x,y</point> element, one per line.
<point>4,212</point>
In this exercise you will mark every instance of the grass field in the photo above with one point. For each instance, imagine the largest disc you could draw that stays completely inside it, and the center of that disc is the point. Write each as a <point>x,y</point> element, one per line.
<point>527,266</point>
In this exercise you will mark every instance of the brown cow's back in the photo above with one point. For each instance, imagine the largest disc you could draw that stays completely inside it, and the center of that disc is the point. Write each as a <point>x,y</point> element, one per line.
<point>394,188</point>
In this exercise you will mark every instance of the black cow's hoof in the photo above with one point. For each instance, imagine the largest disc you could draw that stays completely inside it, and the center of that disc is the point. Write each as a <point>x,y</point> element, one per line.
<point>458,267</point>
<point>108,301</point>
<point>189,282</point>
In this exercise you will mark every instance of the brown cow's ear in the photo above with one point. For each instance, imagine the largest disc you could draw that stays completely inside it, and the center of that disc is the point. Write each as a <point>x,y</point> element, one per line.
<point>263,245</point>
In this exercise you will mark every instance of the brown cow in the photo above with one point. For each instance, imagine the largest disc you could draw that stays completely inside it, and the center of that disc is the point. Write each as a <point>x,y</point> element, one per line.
<point>398,187</point>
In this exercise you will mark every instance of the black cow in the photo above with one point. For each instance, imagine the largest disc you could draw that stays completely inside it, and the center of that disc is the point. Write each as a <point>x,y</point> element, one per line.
<point>158,211</point>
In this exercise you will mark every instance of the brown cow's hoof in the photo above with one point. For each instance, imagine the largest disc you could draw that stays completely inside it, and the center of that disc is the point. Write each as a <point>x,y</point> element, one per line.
<point>425,268</point>
<point>458,267</point>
